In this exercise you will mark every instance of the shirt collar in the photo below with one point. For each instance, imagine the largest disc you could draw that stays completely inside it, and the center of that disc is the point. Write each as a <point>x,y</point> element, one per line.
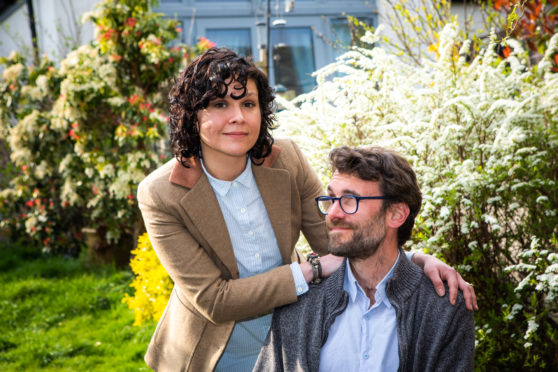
<point>246,179</point>
<point>351,286</point>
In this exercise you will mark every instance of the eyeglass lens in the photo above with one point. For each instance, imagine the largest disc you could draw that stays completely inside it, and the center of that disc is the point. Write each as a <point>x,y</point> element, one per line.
<point>348,204</point>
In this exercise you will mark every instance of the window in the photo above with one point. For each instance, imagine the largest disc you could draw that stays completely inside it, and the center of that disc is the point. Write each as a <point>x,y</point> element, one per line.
<point>238,40</point>
<point>344,35</point>
<point>293,59</point>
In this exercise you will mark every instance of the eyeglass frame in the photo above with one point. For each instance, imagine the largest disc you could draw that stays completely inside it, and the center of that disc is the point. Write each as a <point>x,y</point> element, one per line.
<point>338,198</point>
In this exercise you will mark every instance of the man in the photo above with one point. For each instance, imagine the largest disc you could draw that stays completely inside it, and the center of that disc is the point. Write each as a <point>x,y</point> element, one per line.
<point>378,311</point>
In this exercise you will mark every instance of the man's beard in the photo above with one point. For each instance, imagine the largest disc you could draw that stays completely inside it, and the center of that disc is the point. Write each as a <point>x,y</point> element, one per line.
<point>365,241</point>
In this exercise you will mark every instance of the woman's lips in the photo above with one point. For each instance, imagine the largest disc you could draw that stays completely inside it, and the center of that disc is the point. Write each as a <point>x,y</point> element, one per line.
<point>236,134</point>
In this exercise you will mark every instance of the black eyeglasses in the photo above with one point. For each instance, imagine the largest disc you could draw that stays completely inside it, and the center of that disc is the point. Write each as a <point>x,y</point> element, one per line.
<point>348,203</point>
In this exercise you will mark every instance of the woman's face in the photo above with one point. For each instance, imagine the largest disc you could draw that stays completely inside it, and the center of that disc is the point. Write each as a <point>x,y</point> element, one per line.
<point>230,127</point>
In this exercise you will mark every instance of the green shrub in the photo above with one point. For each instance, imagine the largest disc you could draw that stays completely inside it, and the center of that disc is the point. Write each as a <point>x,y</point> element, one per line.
<point>482,137</point>
<point>82,136</point>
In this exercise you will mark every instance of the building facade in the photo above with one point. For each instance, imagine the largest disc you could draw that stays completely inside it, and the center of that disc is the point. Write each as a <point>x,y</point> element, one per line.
<point>290,38</point>
<point>302,34</point>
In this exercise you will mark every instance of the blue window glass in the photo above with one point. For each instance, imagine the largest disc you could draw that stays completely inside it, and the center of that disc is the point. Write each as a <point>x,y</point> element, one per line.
<point>293,59</point>
<point>238,40</point>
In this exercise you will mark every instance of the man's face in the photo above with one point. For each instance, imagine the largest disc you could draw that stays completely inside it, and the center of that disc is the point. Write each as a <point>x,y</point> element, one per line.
<point>358,235</point>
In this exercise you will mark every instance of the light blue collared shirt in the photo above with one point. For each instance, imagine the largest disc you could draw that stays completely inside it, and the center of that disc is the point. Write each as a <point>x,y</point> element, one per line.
<point>362,338</point>
<point>256,251</point>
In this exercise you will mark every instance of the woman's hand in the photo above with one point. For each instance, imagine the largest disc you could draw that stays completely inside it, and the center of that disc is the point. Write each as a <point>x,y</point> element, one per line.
<point>438,272</point>
<point>329,264</point>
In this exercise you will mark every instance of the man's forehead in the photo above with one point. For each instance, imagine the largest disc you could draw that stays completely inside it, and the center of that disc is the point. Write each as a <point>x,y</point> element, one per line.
<point>345,183</point>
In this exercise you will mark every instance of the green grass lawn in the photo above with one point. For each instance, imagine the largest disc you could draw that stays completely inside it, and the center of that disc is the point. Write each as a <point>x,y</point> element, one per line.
<point>59,314</point>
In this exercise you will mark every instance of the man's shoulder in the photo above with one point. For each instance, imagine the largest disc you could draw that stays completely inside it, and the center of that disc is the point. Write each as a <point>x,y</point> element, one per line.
<point>433,304</point>
<point>320,300</point>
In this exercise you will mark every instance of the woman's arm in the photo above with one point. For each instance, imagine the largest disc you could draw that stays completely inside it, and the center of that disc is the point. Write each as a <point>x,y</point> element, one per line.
<point>199,281</point>
<point>438,272</point>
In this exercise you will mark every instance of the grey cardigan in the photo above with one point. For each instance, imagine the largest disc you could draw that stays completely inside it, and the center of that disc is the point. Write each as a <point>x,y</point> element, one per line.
<point>432,334</point>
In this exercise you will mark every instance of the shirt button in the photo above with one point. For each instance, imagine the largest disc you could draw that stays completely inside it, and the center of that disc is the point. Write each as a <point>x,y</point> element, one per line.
<point>243,210</point>
<point>367,317</point>
<point>257,255</point>
<point>251,233</point>
<point>365,356</point>
<point>234,184</point>
<point>299,289</point>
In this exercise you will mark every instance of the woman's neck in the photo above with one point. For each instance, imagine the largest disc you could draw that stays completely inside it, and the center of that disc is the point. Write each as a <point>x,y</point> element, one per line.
<point>225,168</point>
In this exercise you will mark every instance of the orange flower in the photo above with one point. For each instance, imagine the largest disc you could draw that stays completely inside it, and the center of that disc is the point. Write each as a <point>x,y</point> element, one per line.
<point>205,43</point>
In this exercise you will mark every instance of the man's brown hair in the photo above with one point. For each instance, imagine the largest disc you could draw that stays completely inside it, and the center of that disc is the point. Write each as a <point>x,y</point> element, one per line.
<point>394,174</point>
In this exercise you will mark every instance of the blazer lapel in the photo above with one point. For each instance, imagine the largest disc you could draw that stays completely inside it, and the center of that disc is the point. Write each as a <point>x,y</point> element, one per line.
<point>275,189</point>
<point>203,208</point>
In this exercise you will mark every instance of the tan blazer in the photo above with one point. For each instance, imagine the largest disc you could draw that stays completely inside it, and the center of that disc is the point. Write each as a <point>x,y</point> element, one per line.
<point>189,234</point>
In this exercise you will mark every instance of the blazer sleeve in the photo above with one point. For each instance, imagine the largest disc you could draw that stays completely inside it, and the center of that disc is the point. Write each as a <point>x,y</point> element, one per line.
<point>312,221</point>
<point>199,282</point>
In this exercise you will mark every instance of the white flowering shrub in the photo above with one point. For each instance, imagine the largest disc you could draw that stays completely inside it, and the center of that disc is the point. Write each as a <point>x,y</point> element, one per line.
<point>482,138</point>
<point>82,136</point>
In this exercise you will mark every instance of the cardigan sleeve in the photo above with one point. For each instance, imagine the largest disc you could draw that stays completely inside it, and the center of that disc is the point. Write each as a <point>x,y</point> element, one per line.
<point>457,353</point>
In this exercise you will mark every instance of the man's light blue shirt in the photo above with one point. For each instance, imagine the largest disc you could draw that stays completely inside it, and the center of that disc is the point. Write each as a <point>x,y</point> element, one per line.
<point>256,251</point>
<point>363,337</point>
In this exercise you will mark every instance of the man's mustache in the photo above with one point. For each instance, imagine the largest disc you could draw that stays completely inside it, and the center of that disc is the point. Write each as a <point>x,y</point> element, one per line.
<point>344,225</point>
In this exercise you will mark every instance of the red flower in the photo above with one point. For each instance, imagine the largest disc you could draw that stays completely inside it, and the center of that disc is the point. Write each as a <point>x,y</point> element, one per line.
<point>24,167</point>
<point>131,197</point>
<point>178,29</point>
<point>132,21</point>
<point>29,203</point>
<point>75,125</point>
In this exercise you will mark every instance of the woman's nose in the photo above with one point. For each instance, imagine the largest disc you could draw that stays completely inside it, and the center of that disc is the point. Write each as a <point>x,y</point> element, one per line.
<point>237,116</point>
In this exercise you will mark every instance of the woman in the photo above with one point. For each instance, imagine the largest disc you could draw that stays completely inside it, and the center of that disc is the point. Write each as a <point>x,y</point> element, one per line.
<point>224,218</point>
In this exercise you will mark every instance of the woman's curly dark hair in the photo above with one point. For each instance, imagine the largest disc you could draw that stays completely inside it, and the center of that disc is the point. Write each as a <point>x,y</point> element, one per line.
<point>208,78</point>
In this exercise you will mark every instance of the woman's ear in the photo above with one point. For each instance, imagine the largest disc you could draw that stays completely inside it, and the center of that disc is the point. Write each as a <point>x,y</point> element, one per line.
<point>397,215</point>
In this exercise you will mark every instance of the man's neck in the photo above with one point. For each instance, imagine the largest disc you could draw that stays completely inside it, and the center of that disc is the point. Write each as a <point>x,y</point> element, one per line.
<point>370,271</point>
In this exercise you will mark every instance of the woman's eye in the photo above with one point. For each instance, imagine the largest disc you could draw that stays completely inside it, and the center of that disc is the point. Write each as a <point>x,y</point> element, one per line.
<point>249,104</point>
<point>219,104</point>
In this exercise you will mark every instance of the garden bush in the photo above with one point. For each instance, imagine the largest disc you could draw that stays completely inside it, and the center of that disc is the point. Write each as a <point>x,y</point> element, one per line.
<point>81,136</point>
<point>152,284</point>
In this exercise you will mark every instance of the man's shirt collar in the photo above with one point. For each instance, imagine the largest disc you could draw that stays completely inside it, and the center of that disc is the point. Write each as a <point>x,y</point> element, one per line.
<point>351,286</point>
